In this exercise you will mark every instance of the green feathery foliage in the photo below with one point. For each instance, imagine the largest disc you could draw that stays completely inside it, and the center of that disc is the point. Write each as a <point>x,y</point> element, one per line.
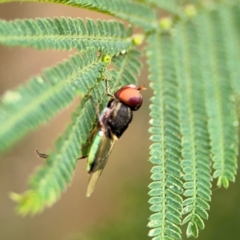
<point>229,19</point>
<point>28,106</point>
<point>194,71</point>
<point>193,123</point>
<point>136,13</point>
<point>51,179</point>
<point>205,95</point>
<point>170,6</point>
<point>220,99</point>
<point>66,34</point>
<point>128,68</point>
<point>166,188</point>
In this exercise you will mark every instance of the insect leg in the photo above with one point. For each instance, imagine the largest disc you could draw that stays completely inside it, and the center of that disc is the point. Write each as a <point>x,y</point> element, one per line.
<point>108,89</point>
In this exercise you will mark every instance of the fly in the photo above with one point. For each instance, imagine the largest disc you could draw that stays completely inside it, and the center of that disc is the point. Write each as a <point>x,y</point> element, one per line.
<point>112,123</point>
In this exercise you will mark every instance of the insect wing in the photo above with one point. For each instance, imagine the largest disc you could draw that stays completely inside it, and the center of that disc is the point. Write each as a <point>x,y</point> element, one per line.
<point>104,149</point>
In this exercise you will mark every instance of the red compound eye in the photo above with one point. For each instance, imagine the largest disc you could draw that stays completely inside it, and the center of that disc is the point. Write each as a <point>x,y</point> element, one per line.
<point>130,96</point>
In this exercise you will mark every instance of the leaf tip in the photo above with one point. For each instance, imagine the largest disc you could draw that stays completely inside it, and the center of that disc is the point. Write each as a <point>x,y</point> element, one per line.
<point>223,181</point>
<point>192,230</point>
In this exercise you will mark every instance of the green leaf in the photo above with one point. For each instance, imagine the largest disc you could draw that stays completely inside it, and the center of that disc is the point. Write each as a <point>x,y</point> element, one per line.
<point>194,74</point>
<point>30,105</point>
<point>230,19</point>
<point>192,230</point>
<point>65,34</point>
<point>136,13</point>
<point>50,180</point>
<point>220,99</point>
<point>165,151</point>
<point>171,6</point>
<point>198,220</point>
<point>196,56</point>
<point>193,122</point>
<point>128,68</point>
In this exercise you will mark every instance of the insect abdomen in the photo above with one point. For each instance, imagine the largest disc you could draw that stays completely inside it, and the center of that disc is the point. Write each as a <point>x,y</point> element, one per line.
<point>93,151</point>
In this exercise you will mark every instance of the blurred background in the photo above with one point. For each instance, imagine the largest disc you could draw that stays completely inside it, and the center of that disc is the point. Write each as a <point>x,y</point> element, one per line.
<point>118,209</point>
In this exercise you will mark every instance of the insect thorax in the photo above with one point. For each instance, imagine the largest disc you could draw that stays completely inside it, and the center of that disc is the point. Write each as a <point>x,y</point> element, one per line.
<point>119,118</point>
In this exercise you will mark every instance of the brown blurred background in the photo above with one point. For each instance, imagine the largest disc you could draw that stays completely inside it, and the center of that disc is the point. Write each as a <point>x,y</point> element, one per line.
<point>118,209</point>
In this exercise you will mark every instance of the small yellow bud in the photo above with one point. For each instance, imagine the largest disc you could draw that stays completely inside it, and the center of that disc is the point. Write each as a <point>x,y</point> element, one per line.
<point>106,58</point>
<point>137,39</point>
<point>190,10</point>
<point>166,23</point>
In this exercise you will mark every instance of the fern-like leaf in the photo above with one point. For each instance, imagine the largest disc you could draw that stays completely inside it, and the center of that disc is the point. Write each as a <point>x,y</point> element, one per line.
<point>30,105</point>
<point>136,13</point>
<point>196,57</point>
<point>66,33</point>
<point>128,67</point>
<point>166,188</point>
<point>52,178</point>
<point>221,106</point>
<point>194,73</point>
<point>230,27</point>
<point>171,6</point>
<point>193,122</point>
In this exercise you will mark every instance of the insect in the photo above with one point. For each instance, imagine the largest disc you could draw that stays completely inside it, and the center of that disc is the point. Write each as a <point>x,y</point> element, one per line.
<point>112,123</point>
